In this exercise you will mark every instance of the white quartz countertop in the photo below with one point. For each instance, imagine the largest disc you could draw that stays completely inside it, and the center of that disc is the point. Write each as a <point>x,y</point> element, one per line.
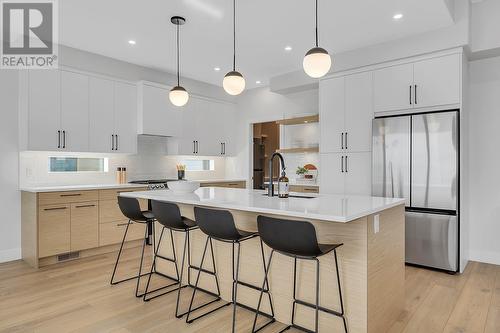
<point>210,181</point>
<point>61,188</point>
<point>334,208</point>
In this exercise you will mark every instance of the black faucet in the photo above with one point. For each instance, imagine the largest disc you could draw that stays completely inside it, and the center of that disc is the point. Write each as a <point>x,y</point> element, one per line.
<point>270,188</point>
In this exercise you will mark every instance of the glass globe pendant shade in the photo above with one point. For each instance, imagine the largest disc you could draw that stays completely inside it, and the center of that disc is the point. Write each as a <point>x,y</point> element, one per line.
<point>233,83</point>
<point>178,96</point>
<point>317,62</point>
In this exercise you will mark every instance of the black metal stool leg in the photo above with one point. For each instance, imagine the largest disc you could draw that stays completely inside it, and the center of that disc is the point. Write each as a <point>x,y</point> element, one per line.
<point>191,309</point>
<point>235,284</point>
<point>266,272</point>
<point>140,265</point>
<point>119,255</point>
<point>316,323</point>
<point>340,290</point>
<point>186,244</point>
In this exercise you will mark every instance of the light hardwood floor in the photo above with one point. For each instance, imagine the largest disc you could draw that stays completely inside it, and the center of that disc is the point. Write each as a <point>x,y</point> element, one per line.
<point>76,297</point>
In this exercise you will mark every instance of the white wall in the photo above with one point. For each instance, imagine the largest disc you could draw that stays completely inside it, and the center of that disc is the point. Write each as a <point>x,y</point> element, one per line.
<point>261,105</point>
<point>10,223</point>
<point>484,160</point>
<point>449,37</point>
<point>485,25</point>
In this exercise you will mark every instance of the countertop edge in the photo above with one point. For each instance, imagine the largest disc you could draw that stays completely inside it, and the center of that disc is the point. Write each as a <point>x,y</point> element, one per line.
<point>310,216</point>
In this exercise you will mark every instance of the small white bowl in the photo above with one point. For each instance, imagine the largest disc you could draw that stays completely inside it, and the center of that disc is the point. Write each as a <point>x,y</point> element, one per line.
<point>183,186</point>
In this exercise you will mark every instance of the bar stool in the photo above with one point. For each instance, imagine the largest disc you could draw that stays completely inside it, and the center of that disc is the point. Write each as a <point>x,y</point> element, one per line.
<point>219,225</point>
<point>169,216</point>
<point>297,239</point>
<point>131,209</point>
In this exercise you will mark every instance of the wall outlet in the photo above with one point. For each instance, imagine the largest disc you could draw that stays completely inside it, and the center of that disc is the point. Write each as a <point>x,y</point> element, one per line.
<point>376,223</point>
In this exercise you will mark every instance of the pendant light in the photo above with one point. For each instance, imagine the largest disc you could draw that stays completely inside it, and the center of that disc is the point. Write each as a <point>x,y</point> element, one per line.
<point>317,61</point>
<point>233,82</point>
<point>178,95</point>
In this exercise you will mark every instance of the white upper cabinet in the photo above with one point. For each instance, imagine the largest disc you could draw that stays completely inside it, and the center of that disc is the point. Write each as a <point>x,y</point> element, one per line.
<point>206,128</point>
<point>346,113</point>
<point>358,112</point>
<point>426,83</point>
<point>113,116</point>
<point>331,114</point>
<point>156,114</point>
<point>125,117</point>
<point>75,111</point>
<point>101,113</point>
<point>44,109</point>
<point>393,88</point>
<point>437,81</point>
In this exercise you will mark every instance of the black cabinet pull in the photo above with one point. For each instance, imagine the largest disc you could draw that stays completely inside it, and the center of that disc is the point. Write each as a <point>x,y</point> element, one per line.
<point>64,139</point>
<point>346,140</point>
<point>117,146</point>
<point>194,147</point>
<point>342,140</point>
<point>224,148</point>
<point>411,102</point>
<point>346,164</point>
<point>85,206</point>
<point>416,99</point>
<point>55,208</point>
<point>342,164</point>
<point>59,139</point>
<point>70,195</point>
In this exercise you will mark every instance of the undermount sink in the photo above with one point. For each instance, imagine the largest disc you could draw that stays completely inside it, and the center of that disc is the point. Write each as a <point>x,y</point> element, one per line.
<point>296,196</point>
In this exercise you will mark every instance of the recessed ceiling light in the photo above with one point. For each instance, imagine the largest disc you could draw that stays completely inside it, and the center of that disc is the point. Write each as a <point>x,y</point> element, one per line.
<point>132,42</point>
<point>216,69</point>
<point>398,16</point>
<point>258,82</point>
<point>288,48</point>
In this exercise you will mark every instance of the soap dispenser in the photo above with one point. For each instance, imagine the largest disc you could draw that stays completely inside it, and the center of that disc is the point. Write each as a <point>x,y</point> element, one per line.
<point>283,185</point>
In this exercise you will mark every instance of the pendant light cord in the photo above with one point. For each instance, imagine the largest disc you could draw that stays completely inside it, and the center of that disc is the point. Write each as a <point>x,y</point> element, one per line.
<point>178,75</point>
<point>316,23</point>
<point>234,35</point>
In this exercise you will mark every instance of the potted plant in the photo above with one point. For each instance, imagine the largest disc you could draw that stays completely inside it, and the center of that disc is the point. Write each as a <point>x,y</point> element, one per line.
<point>301,171</point>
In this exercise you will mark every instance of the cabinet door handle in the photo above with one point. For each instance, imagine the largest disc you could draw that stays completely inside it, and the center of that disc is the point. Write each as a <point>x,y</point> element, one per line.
<point>346,164</point>
<point>55,208</point>
<point>197,147</point>
<point>70,195</point>
<point>117,146</point>
<point>112,142</point>
<point>224,148</point>
<point>411,101</point>
<point>221,149</point>
<point>64,139</point>
<point>342,164</point>
<point>59,139</point>
<point>84,206</point>
<point>346,140</point>
<point>416,99</point>
<point>342,140</point>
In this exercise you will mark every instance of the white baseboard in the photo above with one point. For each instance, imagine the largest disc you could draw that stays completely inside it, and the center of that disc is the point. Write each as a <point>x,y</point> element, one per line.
<point>486,257</point>
<point>10,255</point>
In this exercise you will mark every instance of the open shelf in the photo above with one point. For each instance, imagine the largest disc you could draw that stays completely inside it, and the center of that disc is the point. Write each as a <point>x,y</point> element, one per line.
<point>299,120</point>
<point>298,150</point>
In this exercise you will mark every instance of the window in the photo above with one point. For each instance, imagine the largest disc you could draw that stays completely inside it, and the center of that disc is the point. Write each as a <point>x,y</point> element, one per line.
<point>78,164</point>
<point>199,165</point>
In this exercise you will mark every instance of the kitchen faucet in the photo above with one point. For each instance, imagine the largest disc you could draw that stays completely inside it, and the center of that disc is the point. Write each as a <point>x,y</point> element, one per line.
<point>270,188</point>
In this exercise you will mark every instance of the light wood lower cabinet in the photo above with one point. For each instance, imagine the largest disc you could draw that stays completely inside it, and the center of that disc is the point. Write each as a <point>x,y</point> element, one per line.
<point>54,229</point>
<point>69,222</point>
<point>304,189</point>
<point>236,184</point>
<point>84,226</point>
<point>112,232</point>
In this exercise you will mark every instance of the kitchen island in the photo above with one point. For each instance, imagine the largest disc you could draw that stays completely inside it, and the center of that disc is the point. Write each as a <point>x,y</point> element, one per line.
<point>371,261</point>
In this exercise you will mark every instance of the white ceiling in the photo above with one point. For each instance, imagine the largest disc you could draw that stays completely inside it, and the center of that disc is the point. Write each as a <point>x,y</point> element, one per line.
<point>264,28</point>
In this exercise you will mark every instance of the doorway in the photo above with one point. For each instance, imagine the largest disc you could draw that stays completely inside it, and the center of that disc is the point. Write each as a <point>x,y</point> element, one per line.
<point>266,140</point>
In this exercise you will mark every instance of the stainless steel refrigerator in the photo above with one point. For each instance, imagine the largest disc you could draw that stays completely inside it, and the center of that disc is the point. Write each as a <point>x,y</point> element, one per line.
<point>416,157</point>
